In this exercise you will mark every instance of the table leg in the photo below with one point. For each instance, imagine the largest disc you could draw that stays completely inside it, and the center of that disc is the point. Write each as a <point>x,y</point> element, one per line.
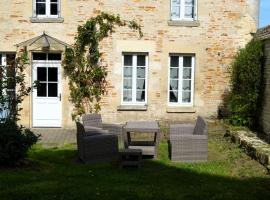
<point>157,140</point>
<point>125,139</point>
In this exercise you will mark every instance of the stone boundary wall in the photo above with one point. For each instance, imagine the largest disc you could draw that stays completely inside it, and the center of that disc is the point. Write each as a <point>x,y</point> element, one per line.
<point>252,145</point>
<point>264,34</point>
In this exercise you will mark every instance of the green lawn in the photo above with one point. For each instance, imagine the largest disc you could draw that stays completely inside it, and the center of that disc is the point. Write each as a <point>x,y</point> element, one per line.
<point>56,174</point>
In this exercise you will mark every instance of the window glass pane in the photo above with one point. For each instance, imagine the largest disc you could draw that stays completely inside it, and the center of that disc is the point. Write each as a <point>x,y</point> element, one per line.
<point>39,56</point>
<point>54,56</point>
<point>141,60</point>
<point>41,8</point>
<point>175,8</point>
<point>42,90</point>
<point>186,73</point>
<point>52,89</point>
<point>174,73</point>
<point>127,96</point>
<point>10,75</point>
<point>127,83</point>
<point>173,85</point>
<point>140,96</point>
<point>52,74</point>
<point>173,96</point>
<point>54,1</point>
<point>186,85</point>
<point>54,9</point>
<point>174,61</point>
<point>10,59</point>
<point>127,72</point>
<point>141,84</point>
<point>187,61</point>
<point>186,97</point>
<point>176,12</point>
<point>42,74</point>
<point>189,12</point>
<point>141,72</point>
<point>127,60</point>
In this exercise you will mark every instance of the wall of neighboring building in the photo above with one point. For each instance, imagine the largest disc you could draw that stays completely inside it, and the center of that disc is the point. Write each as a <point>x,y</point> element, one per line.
<point>224,27</point>
<point>266,108</point>
<point>264,35</point>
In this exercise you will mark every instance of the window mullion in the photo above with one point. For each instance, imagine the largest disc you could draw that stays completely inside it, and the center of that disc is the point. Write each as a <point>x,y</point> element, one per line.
<point>48,7</point>
<point>182,9</point>
<point>134,81</point>
<point>180,79</point>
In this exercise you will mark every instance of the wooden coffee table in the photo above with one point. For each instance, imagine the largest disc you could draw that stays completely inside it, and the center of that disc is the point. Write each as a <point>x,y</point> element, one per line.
<point>147,147</point>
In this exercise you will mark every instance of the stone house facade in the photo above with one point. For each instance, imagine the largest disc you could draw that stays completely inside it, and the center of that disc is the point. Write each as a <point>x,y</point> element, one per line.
<point>177,71</point>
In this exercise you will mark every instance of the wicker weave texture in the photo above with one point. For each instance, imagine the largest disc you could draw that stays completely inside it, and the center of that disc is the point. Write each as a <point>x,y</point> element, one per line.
<point>96,148</point>
<point>189,143</point>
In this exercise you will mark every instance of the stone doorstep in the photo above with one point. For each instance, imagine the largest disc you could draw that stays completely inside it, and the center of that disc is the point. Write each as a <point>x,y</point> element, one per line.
<point>253,146</point>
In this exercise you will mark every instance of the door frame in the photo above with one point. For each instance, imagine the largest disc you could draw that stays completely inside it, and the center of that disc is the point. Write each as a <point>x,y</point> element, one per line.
<point>59,66</point>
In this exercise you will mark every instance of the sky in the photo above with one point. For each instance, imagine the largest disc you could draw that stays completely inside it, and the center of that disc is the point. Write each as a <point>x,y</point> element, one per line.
<point>265,13</point>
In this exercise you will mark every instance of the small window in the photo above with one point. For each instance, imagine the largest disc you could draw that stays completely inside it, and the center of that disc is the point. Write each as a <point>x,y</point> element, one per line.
<point>183,10</point>
<point>46,8</point>
<point>47,56</point>
<point>134,79</point>
<point>181,80</point>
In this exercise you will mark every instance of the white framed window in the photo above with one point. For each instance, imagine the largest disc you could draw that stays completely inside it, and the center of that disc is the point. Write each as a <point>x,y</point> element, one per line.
<point>7,82</point>
<point>181,80</point>
<point>135,72</point>
<point>184,10</point>
<point>46,8</point>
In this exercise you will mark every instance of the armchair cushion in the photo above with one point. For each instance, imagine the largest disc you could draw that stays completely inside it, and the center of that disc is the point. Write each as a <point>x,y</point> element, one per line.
<point>91,130</point>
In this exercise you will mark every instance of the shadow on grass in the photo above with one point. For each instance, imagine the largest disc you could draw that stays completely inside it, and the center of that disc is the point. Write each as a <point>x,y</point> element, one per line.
<point>57,174</point>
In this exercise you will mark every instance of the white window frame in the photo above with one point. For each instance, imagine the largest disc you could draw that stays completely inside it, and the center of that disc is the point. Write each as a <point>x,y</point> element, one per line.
<point>134,77</point>
<point>4,64</point>
<point>182,12</point>
<point>180,81</point>
<point>4,92</point>
<point>47,10</point>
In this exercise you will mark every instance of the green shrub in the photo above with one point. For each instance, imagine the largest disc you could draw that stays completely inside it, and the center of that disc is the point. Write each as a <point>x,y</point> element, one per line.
<point>246,85</point>
<point>15,141</point>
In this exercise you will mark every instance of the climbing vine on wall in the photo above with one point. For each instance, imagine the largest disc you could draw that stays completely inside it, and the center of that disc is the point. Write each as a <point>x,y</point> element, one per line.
<point>83,63</point>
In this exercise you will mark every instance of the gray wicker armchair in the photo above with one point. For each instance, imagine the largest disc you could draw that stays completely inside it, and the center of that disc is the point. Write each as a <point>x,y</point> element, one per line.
<point>188,142</point>
<point>96,145</point>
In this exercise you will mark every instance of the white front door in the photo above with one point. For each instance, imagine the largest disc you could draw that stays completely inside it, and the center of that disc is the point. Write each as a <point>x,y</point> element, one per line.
<point>47,107</point>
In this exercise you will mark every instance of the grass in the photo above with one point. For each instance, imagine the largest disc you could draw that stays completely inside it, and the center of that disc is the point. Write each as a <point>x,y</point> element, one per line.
<point>56,174</point>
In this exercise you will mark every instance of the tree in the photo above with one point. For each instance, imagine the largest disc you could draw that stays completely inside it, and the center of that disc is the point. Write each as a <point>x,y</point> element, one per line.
<point>83,64</point>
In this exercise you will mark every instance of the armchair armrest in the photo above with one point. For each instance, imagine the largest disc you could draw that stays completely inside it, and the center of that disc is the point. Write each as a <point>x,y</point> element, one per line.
<point>189,137</point>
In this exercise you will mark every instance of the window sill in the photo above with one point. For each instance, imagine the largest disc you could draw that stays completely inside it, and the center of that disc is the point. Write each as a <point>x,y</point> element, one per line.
<point>195,23</point>
<point>46,20</point>
<point>132,108</point>
<point>174,109</point>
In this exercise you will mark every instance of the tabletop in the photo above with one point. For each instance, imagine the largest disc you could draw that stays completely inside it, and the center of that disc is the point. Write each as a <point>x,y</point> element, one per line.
<point>141,126</point>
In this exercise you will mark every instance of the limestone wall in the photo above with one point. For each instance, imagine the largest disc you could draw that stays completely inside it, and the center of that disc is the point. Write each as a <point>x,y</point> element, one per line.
<point>224,26</point>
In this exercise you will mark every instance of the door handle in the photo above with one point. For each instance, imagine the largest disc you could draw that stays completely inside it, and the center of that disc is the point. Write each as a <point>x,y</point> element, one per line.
<point>60,97</point>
